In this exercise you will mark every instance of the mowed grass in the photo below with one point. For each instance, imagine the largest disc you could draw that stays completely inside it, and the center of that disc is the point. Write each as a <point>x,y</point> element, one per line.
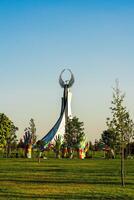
<point>65,179</point>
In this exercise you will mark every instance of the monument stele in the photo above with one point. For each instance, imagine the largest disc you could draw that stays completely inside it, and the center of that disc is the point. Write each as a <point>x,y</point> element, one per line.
<point>59,127</point>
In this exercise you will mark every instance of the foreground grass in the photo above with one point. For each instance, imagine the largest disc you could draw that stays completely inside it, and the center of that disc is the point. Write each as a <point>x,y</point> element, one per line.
<point>65,179</point>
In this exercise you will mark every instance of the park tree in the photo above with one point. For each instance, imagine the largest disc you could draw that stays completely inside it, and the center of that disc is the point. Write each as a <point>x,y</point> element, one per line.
<point>33,130</point>
<point>8,137</point>
<point>130,148</point>
<point>74,133</point>
<point>109,138</point>
<point>129,135</point>
<point>120,124</point>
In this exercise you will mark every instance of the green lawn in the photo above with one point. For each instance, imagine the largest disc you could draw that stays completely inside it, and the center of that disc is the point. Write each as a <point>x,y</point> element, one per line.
<point>65,179</point>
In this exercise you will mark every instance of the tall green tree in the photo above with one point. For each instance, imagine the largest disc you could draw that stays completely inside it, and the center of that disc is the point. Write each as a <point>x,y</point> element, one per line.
<point>33,130</point>
<point>109,138</point>
<point>74,134</point>
<point>8,136</point>
<point>120,124</point>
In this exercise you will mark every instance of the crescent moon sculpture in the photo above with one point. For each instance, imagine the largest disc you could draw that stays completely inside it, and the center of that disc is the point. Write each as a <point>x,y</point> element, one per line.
<point>67,83</point>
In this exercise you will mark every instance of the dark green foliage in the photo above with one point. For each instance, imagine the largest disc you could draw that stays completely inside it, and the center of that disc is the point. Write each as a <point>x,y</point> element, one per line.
<point>110,138</point>
<point>40,144</point>
<point>90,146</point>
<point>8,138</point>
<point>130,149</point>
<point>74,134</point>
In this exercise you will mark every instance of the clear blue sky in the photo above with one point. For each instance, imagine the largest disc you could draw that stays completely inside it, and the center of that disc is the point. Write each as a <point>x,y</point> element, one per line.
<point>38,38</point>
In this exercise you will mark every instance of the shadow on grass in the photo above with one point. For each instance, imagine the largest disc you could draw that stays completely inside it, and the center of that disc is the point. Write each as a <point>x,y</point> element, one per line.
<point>67,181</point>
<point>93,196</point>
<point>49,169</point>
